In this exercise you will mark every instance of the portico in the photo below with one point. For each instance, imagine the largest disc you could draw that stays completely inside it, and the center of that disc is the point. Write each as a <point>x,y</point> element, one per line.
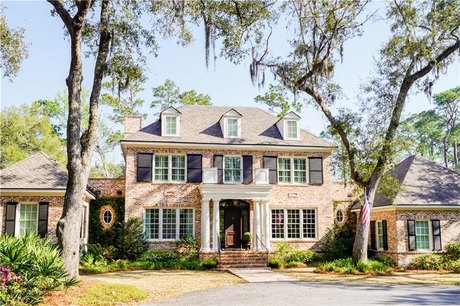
<point>233,197</point>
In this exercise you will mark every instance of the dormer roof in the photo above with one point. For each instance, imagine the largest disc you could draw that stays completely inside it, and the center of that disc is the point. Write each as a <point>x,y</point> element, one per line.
<point>231,113</point>
<point>170,111</point>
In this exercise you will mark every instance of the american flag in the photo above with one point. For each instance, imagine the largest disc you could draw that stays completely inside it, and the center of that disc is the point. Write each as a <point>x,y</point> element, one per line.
<point>366,212</point>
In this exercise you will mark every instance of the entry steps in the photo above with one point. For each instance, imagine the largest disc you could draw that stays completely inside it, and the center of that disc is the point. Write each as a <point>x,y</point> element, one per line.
<point>230,259</point>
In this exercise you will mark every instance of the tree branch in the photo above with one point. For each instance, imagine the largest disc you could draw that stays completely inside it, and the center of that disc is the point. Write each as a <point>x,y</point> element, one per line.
<point>64,14</point>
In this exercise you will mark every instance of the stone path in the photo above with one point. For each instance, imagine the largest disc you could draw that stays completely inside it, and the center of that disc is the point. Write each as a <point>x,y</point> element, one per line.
<point>261,276</point>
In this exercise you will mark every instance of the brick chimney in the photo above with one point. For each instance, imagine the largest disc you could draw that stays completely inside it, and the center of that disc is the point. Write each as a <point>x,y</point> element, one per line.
<point>133,123</point>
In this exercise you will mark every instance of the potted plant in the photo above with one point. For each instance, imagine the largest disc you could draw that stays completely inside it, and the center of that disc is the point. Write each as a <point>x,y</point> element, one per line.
<point>247,238</point>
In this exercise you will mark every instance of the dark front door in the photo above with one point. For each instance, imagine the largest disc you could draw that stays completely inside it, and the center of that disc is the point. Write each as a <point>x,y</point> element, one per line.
<point>232,227</point>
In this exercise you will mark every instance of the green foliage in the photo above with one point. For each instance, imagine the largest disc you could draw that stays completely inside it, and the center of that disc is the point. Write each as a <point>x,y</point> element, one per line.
<point>24,130</point>
<point>169,94</point>
<point>338,242</point>
<point>277,98</point>
<point>159,256</point>
<point>37,268</point>
<point>188,248</point>
<point>275,263</point>
<point>130,242</point>
<point>347,266</point>
<point>452,251</point>
<point>97,234</point>
<point>428,262</point>
<point>247,237</point>
<point>13,49</point>
<point>286,256</point>
<point>209,263</point>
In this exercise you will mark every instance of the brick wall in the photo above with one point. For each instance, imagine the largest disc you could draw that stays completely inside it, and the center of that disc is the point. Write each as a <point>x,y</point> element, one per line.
<point>398,248</point>
<point>107,187</point>
<point>141,195</point>
<point>56,203</point>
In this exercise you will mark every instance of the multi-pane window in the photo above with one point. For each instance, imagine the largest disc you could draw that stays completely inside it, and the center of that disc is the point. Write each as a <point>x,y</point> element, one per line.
<point>379,228</point>
<point>169,168</point>
<point>232,127</point>
<point>168,223</point>
<point>292,170</point>
<point>291,126</point>
<point>171,125</point>
<point>422,234</point>
<point>232,169</point>
<point>294,223</point>
<point>278,223</point>
<point>27,218</point>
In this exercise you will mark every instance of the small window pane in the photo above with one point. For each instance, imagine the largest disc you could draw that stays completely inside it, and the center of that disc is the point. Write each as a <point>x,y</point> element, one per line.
<point>300,170</point>
<point>291,129</point>
<point>293,223</point>
<point>152,224</point>
<point>27,218</point>
<point>232,169</point>
<point>339,216</point>
<point>309,223</point>
<point>169,224</point>
<point>277,223</point>
<point>379,235</point>
<point>107,217</point>
<point>422,234</point>
<point>284,170</point>
<point>161,168</point>
<point>177,168</point>
<point>185,223</point>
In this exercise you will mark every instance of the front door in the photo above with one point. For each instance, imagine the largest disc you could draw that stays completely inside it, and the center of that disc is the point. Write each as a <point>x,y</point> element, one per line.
<point>232,227</point>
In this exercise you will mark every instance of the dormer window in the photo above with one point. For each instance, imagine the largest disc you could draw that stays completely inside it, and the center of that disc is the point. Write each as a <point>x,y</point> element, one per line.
<point>170,122</point>
<point>230,124</point>
<point>289,126</point>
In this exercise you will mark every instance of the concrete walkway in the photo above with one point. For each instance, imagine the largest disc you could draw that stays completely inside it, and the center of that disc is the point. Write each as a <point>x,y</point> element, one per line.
<point>261,276</point>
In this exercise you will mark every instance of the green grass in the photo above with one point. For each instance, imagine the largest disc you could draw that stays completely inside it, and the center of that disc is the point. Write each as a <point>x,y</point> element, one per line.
<point>111,294</point>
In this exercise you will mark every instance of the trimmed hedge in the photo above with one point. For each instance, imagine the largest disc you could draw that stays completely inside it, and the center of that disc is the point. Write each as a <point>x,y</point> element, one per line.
<point>97,234</point>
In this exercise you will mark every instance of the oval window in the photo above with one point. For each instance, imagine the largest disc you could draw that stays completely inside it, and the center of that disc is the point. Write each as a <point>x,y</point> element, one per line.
<point>107,217</point>
<point>339,216</point>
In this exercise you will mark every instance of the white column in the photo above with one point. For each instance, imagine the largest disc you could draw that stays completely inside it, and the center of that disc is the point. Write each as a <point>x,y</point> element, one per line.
<point>205,225</point>
<point>215,224</point>
<point>267,219</point>
<point>257,225</point>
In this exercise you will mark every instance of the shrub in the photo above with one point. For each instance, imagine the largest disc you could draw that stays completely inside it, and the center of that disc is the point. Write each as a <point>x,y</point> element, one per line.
<point>34,267</point>
<point>159,256</point>
<point>454,266</point>
<point>338,243</point>
<point>99,234</point>
<point>347,266</point>
<point>303,256</point>
<point>130,243</point>
<point>275,263</point>
<point>428,262</point>
<point>387,261</point>
<point>188,247</point>
<point>452,251</point>
<point>283,251</point>
<point>209,263</point>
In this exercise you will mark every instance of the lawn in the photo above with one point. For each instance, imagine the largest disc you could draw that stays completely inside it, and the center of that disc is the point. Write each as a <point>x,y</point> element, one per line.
<point>155,284</point>
<point>406,277</point>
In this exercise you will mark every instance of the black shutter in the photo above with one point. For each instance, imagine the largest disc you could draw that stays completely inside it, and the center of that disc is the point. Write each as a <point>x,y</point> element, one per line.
<point>315,167</point>
<point>10,220</point>
<point>384,235</point>
<point>219,164</point>
<point>42,219</point>
<point>373,241</point>
<point>247,169</point>
<point>271,163</point>
<point>411,234</point>
<point>194,168</point>
<point>436,229</point>
<point>144,167</point>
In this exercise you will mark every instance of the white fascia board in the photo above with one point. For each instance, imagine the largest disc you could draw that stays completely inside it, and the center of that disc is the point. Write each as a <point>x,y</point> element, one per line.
<point>214,146</point>
<point>411,207</point>
<point>40,192</point>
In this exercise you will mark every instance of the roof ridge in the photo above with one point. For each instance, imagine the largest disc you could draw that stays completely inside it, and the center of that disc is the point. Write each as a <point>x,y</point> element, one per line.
<point>435,163</point>
<point>412,157</point>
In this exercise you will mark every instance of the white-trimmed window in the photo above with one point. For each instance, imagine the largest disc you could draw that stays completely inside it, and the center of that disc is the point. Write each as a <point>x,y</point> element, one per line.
<point>422,234</point>
<point>169,223</point>
<point>232,127</point>
<point>169,168</point>
<point>294,224</point>
<point>233,169</point>
<point>171,126</point>
<point>379,234</point>
<point>28,218</point>
<point>292,170</point>
<point>292,129</point>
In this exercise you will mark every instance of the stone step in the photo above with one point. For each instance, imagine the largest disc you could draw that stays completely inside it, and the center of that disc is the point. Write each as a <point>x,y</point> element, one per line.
<point>240,266</point>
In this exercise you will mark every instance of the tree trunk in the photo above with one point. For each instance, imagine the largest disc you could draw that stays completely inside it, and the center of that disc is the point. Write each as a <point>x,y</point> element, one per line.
<point>445,150</point>
<point>455,147</point>
<point>362,230</point>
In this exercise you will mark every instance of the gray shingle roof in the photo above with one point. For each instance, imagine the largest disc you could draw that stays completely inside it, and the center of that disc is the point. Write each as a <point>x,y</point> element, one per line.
<point>200,124</point>
<point>423,182</point>
<point>35,172</point>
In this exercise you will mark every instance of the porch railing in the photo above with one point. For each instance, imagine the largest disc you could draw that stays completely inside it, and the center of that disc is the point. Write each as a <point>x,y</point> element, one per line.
<point>264,247</point>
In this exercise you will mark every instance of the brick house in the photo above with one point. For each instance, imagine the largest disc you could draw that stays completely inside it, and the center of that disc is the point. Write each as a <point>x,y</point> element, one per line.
<point>419,218</point>
<point>217,172</point>
<point>32,198</point>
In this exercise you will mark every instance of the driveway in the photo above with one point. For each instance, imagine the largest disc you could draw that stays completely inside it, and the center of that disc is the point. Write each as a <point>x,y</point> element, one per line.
<point>314,293</point>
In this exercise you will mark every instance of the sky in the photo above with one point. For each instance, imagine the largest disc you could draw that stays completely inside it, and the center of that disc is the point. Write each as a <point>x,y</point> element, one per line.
<point>43,74</point>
